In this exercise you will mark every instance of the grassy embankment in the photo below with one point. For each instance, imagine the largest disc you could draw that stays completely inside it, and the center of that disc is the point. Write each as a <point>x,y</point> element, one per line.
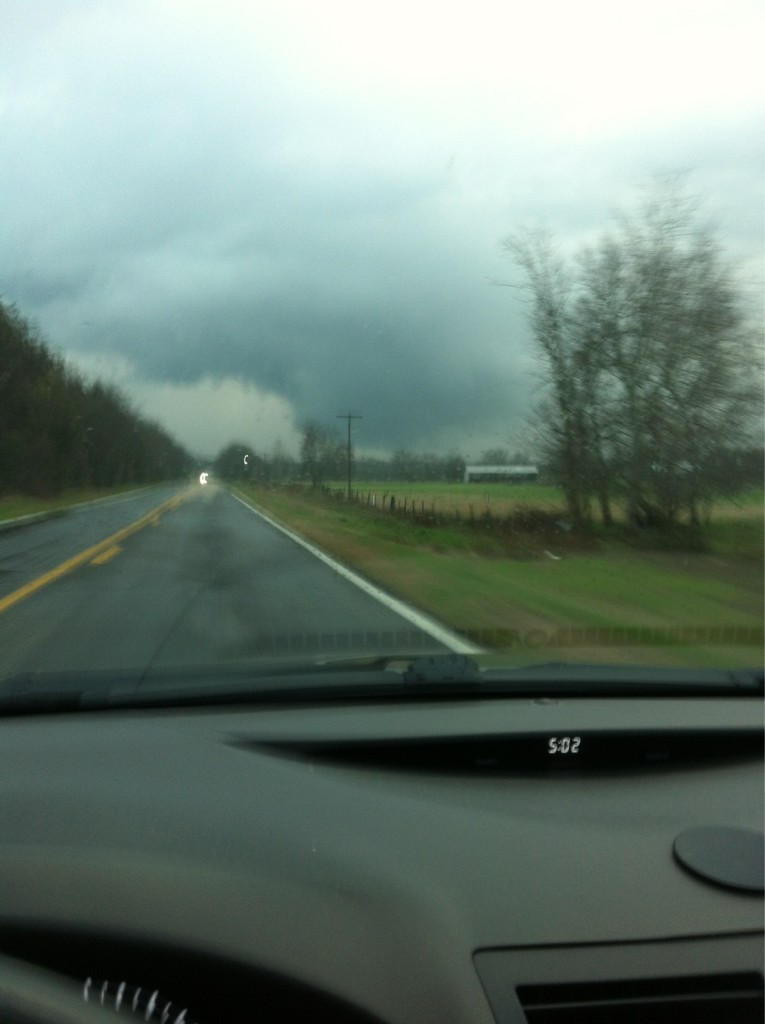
<point>697,597</point>
<point>13,506</point>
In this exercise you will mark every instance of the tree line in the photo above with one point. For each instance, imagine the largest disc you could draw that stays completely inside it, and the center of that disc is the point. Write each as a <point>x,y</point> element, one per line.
<point>323,457</point>
<point>651,375</point>
<point>59,431</point>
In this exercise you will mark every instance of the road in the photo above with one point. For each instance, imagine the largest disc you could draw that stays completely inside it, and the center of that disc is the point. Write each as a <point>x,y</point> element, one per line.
<point>179,576</point>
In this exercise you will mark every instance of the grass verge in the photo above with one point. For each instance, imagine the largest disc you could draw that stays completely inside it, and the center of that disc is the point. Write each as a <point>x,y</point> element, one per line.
<point>585,599</point>
<point>13,506</point>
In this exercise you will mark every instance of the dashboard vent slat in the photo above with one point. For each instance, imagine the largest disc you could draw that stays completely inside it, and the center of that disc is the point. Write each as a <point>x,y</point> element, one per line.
<point>693,1000</point>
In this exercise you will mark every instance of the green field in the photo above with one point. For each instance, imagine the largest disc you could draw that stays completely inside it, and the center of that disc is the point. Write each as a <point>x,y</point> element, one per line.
<point>443,497</point>
<point>593,598</point>
<point>504,499</point>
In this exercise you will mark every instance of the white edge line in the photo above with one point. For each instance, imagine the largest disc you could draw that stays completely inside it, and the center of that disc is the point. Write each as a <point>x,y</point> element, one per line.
<point>418,619</point>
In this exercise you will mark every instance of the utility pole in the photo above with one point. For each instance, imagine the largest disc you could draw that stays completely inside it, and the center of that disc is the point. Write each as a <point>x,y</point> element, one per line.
<point>349,416</point>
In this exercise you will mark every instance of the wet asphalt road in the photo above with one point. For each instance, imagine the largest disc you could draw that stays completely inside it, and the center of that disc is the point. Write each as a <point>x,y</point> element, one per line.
<point>191,577</point>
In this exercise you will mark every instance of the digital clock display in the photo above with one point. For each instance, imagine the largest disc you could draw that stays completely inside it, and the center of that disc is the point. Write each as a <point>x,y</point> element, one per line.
<point>564,744</point>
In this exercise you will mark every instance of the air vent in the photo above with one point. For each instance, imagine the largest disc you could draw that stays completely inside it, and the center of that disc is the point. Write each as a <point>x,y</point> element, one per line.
<point>693,1000</point>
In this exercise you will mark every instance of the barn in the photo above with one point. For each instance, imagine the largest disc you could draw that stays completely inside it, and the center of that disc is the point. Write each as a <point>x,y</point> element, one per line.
<point>500,474</point>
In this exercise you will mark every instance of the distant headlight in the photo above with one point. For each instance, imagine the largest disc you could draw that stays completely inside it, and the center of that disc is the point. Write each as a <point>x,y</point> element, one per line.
<point>203,478</point>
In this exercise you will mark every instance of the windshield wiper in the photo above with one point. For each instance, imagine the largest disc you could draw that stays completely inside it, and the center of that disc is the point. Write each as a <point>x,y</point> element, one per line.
<point>375,677</point>
<point>459,673</point>
<point>577,679</point>
<point>441,669</point>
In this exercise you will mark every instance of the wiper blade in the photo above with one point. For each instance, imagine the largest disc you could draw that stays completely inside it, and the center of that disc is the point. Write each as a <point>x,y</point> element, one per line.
<point>40,692</point>
<point>396,677</point>
<point>577,679</point>
<point>440,669</point>
<point>453,671</point>
<point>444,670</point>
<point>48,692</point>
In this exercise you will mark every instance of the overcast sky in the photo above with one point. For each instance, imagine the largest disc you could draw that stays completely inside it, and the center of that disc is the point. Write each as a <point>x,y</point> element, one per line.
<point>249,214</point>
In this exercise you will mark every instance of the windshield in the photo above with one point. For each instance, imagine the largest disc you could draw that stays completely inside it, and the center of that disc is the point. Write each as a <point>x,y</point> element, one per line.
<point>331,330</point>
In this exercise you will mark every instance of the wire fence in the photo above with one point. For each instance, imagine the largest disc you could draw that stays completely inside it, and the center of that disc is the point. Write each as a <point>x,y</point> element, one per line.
<point>519,516</point>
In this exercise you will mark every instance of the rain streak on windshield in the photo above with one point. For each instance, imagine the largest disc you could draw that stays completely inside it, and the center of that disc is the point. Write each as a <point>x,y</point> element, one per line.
<point>330,330</point>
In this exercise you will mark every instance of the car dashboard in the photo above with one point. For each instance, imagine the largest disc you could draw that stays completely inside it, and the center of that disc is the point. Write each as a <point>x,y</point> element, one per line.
<point>460,861</point>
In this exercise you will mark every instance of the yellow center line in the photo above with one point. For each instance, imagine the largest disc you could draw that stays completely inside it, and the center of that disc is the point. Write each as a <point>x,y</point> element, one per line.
<point>107,555</point>
<point>89,555</point>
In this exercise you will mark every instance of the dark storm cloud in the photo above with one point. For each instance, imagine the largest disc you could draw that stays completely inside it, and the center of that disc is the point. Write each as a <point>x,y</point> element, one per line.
<point>378,323</point>
<point>206,204</point>
<point>231,248</point>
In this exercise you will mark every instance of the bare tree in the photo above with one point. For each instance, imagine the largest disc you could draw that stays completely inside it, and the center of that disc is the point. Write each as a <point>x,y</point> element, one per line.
<point>648,361</point>
<point>322,454</point>
<point>561,413</point>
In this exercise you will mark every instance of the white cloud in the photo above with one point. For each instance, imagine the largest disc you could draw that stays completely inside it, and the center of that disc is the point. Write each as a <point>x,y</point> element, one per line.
<point>209,414</point>
<point>205,415</point>
<point>588,66</point>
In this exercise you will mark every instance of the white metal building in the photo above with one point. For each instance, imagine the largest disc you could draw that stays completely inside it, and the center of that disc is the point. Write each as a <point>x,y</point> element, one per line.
<point>500,474</point>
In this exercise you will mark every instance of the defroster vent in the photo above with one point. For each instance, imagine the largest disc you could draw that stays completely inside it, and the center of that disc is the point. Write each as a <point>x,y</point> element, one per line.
<point>710,999</point>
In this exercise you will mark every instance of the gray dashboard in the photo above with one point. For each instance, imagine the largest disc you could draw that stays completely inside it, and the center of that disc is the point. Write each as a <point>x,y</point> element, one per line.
<point>263,842</point>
